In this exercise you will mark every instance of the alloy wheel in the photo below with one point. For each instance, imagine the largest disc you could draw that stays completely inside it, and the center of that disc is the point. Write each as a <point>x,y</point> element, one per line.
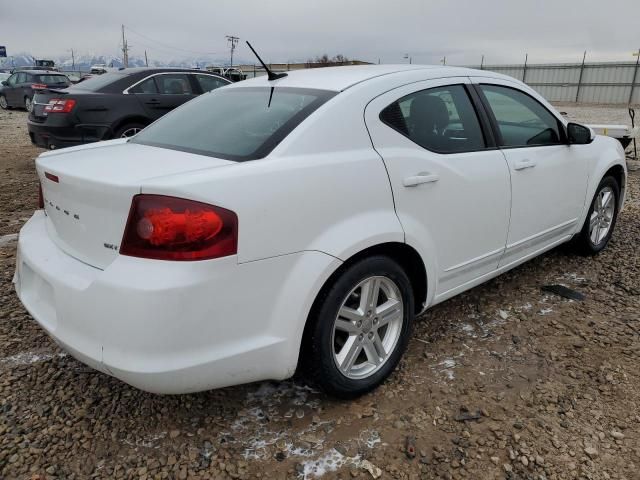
<point>3,102</point>
<point>130,132</point>
<point>28,104</point>
<point>367,327</point>
<point>602,216</point>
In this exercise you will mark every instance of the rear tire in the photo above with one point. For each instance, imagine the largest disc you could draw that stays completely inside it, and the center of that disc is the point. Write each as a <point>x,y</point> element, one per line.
<point>3,103</point>
<point>359,328</point>
<point>28,104</point>
<point>601,218</point>
<point>128,130</point>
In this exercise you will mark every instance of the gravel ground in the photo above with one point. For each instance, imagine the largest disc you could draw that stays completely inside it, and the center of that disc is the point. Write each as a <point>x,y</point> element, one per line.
<point>597,114</point>
<point>504,381</point>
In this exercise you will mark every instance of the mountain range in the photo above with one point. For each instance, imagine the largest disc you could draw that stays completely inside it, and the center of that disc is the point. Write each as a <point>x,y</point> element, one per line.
<point>84,62</point>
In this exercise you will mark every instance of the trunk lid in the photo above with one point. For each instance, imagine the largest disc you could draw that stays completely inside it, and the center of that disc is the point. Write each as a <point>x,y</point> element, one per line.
<point>87,192</point>
<point>40,100</point>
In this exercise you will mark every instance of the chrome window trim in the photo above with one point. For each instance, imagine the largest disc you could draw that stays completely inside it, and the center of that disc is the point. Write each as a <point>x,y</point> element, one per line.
<point>126,90</point>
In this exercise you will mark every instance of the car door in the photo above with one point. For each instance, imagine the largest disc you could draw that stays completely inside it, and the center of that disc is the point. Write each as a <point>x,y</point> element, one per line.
<point>10,91</point>
<point>174,89</point>
<point>23,88</point>
<point>210,82</point>
<point>548,177</point>
<point>450,184</point>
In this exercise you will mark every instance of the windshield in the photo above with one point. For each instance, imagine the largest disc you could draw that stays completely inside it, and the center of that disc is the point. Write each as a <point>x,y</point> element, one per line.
<point>234,123</point>
<point>96,83</point>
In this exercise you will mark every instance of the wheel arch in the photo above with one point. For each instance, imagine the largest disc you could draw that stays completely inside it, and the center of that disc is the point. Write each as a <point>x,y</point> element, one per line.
<point>403,254</point>
<point>610,160</point>
<point>128,119</point>
<point>617,171</point>
<point>406,256</point>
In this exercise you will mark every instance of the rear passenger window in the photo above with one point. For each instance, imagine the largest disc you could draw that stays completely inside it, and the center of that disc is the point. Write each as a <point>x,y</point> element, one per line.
<point>209,82</point>
<point>440,119</point>
<point>148,86</point>
<point>52,79</point>
<point>522,120</point>
<point>173,84</point>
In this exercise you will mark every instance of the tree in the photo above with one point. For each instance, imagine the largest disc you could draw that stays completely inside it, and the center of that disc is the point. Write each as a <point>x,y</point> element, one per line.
<point>325,61</point>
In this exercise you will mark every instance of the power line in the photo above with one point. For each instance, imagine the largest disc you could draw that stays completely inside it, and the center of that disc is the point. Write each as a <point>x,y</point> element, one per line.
<point>193,52</point>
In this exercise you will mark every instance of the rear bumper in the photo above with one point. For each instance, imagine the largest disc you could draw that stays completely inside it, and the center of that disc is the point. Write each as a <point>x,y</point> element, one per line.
<point>171,327</point>
<point>49,136</point>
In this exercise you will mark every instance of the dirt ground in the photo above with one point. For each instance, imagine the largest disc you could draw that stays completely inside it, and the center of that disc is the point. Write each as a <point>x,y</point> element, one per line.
<point>502,382</point>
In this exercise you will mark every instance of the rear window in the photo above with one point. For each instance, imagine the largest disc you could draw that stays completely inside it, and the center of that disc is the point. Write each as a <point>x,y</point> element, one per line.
<point>52,79</point>
<point>96,83</point>
<point>236,123</point>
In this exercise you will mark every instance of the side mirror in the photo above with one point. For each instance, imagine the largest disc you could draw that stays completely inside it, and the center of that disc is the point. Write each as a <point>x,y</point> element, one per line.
<point>579,134</point>
<point>5,83</point>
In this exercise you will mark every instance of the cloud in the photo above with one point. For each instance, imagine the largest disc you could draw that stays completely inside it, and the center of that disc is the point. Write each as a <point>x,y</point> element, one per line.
<point>294,30</point>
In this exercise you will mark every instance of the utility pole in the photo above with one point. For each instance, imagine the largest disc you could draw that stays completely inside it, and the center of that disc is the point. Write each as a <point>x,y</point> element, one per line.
<point>125,50</point>
<point>524,70</point>
<point>233,41</point>
<point>482,63</point>
<point>73,60</point>
<point>146,60</point>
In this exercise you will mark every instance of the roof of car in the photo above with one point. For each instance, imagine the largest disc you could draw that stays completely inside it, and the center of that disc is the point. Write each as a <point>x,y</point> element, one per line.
<point>43,71</point>
<point>133,70</point>
<point>341,78</point>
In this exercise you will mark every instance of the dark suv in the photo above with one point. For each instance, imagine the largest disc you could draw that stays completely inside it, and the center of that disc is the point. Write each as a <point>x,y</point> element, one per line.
<point>18,90</point>
<point>113,105</point>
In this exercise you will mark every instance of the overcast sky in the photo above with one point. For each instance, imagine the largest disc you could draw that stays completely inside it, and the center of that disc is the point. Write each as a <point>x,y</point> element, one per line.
<point>290,30</point>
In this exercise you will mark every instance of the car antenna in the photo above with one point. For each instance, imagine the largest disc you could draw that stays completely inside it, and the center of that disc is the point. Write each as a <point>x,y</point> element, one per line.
<point>270,75</point>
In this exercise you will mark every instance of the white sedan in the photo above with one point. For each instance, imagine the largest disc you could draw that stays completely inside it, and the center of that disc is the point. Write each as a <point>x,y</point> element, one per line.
<point>301,223</point>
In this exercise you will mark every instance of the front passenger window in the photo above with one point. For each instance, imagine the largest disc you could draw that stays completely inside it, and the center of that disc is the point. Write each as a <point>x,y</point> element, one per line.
<point>522,120</point>
<point>440,119</point>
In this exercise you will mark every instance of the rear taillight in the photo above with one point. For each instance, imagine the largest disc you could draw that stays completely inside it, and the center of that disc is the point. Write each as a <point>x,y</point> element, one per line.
<point>40,197</point>
<point>170,228</point>
<point>60,105</point>
<point>38,86</point>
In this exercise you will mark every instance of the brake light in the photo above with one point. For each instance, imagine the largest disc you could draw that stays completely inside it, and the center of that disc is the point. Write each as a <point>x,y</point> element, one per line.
<point>170,228</point>
<point>38,86</point>
<point>40,197</point>
<point>59,105</point>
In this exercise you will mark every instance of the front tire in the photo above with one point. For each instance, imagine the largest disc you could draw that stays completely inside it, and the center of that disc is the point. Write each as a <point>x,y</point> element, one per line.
<point>359,328</point>
<point>3,103</point>
<point>601,218</point>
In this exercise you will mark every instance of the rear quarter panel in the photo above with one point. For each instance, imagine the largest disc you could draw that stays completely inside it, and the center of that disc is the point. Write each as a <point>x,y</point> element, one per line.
<point>323,188</point>
<point>337,204</point>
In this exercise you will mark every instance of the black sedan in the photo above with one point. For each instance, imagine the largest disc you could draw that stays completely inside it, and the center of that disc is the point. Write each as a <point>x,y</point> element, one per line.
<point>113,105</point>
<point>18,90</point>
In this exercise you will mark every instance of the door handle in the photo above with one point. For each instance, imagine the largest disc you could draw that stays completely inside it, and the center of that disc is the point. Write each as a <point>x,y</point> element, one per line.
<point>152,102</point>
<point>522,164</point>
<point>420,178</point>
